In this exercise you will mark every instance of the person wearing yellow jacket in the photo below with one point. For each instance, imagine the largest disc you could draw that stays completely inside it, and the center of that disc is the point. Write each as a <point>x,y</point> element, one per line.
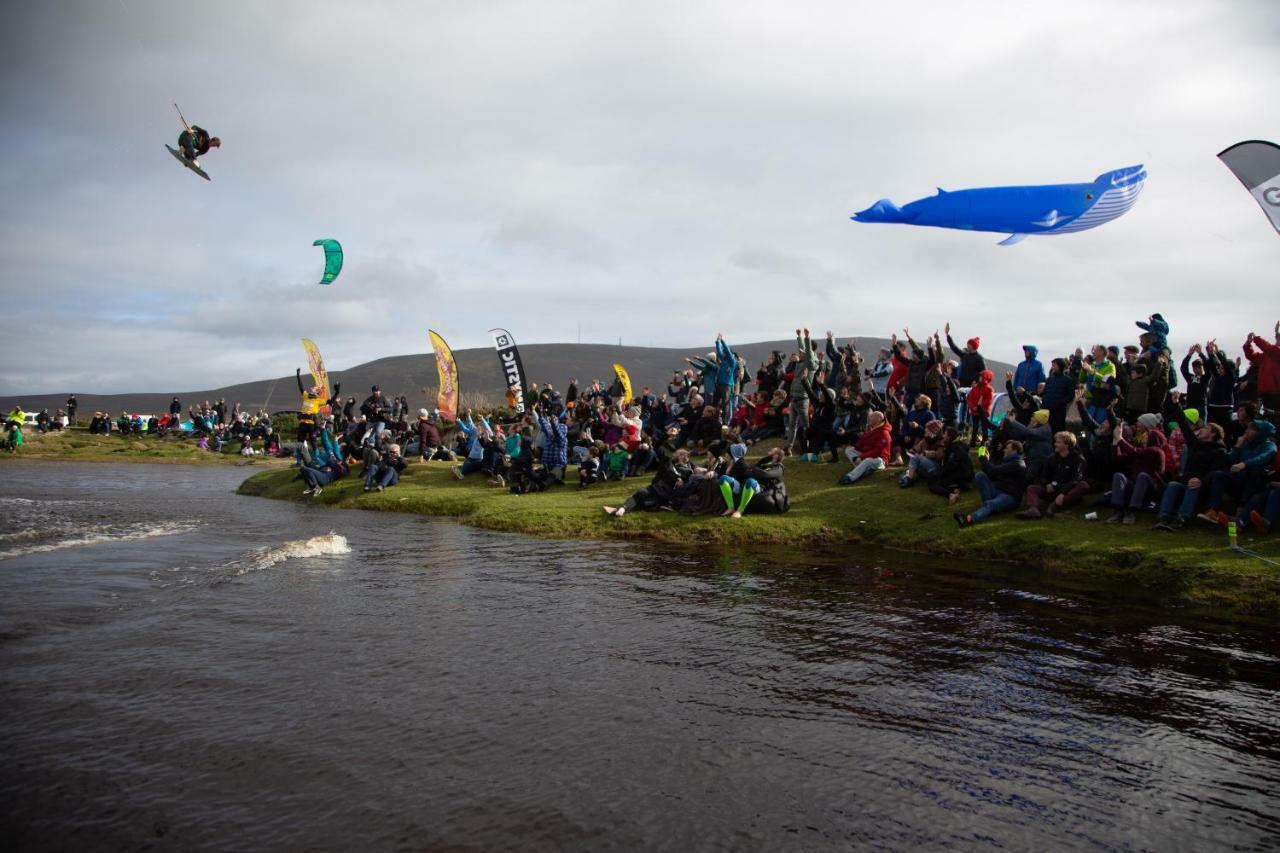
<point>313,400</point>
<point>1099,381</point>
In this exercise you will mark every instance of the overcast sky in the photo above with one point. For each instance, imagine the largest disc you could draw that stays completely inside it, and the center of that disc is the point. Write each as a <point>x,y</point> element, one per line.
<point>655,171</point>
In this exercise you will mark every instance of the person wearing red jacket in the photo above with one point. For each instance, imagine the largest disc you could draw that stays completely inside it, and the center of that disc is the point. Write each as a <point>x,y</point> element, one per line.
<point>978,402</point>
<point>901,367</point>
<point>871,451</point>
<point>1267,360</point>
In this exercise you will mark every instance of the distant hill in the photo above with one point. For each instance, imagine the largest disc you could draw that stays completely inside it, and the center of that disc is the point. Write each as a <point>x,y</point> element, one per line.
<point>414,376</point>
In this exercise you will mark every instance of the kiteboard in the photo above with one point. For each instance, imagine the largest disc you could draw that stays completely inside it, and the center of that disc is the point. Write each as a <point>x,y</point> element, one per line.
<point>184,161</point>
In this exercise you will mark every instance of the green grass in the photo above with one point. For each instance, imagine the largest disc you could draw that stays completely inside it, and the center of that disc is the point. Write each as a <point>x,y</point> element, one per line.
<point>78,445</point>
<point>1195,564</point>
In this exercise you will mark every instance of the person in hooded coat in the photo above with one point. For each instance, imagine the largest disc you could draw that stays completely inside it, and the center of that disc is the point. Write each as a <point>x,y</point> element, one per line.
<point>1029,375</point>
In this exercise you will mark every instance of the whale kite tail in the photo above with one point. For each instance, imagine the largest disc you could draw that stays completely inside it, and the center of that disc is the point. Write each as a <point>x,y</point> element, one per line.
<point>882,211</point>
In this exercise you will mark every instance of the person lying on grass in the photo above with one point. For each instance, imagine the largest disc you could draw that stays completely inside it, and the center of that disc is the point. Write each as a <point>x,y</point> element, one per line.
<point>672,474</point>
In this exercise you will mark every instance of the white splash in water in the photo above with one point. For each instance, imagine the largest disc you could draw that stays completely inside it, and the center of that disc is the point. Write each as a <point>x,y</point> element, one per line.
<point>325,545</point>
<point>81,536</point>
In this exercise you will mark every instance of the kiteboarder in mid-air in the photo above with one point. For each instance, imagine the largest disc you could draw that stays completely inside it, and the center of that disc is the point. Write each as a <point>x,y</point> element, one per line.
<point>193,143</point>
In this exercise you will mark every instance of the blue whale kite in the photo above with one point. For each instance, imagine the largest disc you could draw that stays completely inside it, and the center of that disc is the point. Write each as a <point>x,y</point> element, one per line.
<point>1019,211</point>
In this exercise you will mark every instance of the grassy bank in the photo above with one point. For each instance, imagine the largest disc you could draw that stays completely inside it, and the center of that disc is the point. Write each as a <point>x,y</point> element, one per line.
<point>78,445</point>
<point>1196,564</point>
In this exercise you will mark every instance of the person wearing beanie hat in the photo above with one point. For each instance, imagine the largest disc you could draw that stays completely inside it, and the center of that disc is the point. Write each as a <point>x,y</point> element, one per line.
<point>375,409</point>
<point>1142,467</point>
<point>978,403</point>
<point>971,361</point>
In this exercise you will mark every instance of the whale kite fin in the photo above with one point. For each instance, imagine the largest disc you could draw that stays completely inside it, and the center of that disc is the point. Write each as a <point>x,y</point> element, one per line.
<point>1012,239</point>
<point>1049,220</point>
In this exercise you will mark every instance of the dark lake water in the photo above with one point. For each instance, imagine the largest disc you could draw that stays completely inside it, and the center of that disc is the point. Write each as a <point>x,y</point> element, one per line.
<point>173,675</point>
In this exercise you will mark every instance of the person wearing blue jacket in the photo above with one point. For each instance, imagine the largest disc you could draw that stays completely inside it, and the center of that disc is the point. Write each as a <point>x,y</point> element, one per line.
<point>1029,375</point>
<point>726,376</point>
<point>1250,460</point>
<point>1158,328</point>
<point>475,448</point>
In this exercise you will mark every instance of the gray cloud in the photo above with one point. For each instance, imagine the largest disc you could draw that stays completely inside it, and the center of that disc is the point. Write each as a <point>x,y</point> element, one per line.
<point>657,171</point>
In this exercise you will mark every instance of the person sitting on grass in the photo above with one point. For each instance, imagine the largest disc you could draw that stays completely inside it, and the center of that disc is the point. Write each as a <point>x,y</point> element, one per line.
<point>12,435</point>
<point>871,451</point>
<point>672,474</point>
<point>914,423</point>
<point>473,458</point>
<point>1263,509</point>
<point>1143,467</point>
<point>386,472</point>
<point>1037,440</point>
<point>589,468</point>
<point>928,455</point>
<point>706,429</point>
<point>429,444</point>
<point>1206,453</point>
<point>1063,480</point>
<point>955,474</point>
<point>616,462</point>
<point>1251,458</point>
<point>1001,486</point>
<point>737,486</point>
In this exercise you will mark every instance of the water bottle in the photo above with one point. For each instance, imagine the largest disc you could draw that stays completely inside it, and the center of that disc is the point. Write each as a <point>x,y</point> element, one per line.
<point>1231,534</point>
